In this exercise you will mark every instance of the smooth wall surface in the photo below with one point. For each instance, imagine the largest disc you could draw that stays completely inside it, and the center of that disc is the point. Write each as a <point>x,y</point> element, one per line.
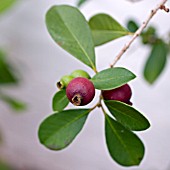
<point>40,63</point>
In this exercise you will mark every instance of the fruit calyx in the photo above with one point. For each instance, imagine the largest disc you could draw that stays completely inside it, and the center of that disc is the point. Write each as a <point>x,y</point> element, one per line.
<point>64,81</point>
<point>80,91</point>
<point>60,85</point>
<point>77,99</point>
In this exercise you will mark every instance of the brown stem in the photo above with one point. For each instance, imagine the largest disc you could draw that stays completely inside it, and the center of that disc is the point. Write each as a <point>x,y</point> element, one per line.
<point>139,31</point>
<point>99,103</point>
<point>163,7</point>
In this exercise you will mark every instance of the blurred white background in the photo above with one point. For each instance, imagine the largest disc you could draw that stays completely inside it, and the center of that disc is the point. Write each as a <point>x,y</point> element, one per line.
<point>40,62</point>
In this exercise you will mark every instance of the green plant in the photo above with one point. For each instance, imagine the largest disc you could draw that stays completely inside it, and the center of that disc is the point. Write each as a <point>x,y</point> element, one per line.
<point>5,5</point>
<point>70,30</point>
<point>159,51</point>
<point>8,77</point>
<point>7,71</point>
<point>5,166</point>
<point>81,2</point>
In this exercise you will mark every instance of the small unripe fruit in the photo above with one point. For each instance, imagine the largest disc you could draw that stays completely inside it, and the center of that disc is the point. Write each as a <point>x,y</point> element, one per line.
<point>64,81</point>
<point>122,94</point>
<point>80,91</point>
<point>80,73</point>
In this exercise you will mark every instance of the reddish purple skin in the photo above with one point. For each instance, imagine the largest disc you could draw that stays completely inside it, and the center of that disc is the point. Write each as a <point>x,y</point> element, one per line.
<point>82,86</point>
<point>122,94</point>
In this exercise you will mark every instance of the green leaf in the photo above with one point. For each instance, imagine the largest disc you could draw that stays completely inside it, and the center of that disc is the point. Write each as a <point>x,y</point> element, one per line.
<point>123,145</point>
<point>156,62</point>
<point>127,115</point>
<point>13,103</point>
<point>5,4</point>
<point>149,36</point>
<point>1,138</point>
<point>69,29</point>
<point>60,100</point>
<point>105,28</point>
<point>112,78</point>
<point>6,72</point>
<point>4,166</point>
<point>132,26</point>
<point>58,130</point>
<point>81,2</point>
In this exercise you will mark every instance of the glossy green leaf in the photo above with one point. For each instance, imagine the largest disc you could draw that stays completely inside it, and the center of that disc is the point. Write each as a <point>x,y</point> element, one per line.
<point>5,4</point>
<point>60,100</point>
<point>58,130</point>
<point>69,29</point>
<point>123,145</point>
<point>6,72</point>
<point>105,28</point>
<point>127,115</point>
<point>81,2</point>
<point>156,62</point>
<point>112,78</point>
<point>132,26</point>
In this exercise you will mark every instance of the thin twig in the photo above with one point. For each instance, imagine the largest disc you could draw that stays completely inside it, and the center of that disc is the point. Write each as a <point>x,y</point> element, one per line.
<point>140,30</point>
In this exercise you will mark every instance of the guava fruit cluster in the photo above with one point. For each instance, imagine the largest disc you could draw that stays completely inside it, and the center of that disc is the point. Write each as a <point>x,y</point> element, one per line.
<point>80,90</point>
